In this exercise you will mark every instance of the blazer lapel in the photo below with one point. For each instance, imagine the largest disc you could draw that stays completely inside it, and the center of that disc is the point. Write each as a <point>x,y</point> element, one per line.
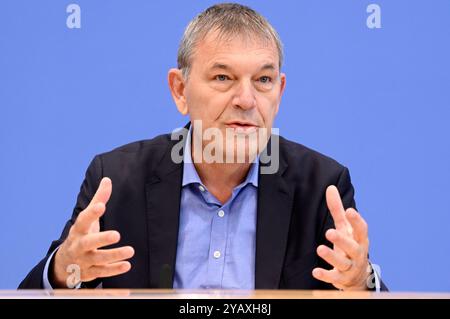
<point>163,192</point>
<point>273,220</point>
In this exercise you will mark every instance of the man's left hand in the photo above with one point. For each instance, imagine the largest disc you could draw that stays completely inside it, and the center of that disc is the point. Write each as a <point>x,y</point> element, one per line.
<point>349,256</point>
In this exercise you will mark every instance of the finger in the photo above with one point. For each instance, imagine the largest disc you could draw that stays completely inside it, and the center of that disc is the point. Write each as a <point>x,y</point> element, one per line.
<point>96,207</point>
<point>335,259</point>
<point>98,240</point>
<point>330,276</point>
<point>103,192</point>
<point>346,243</point>
<point>359,225</point>
<point>336,207</point>
<point>109,270</point>
<point>110,256</point>
<point>91,214</point>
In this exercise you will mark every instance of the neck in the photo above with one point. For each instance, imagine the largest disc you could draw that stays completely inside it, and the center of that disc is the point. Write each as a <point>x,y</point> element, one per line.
<point>222,178</point>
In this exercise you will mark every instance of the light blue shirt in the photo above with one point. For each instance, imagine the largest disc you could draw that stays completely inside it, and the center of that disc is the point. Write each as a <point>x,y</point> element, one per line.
<point>216,243</point>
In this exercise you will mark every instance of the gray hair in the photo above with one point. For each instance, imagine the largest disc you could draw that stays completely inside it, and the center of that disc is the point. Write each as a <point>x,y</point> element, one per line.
<point>229,19</point>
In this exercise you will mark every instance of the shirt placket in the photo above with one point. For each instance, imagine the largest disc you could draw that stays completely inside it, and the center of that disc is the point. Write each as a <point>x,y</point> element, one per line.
<point>217,248</point>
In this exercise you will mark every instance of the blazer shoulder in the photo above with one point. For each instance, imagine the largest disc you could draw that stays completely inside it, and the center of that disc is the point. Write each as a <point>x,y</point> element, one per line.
<point>148,145</point>
<point>137,154</point>
<point>302,157</point>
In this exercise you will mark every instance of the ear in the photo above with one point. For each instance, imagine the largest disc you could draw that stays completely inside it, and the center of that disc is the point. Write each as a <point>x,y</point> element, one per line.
<point>177,85</point>
<point>282,87</point>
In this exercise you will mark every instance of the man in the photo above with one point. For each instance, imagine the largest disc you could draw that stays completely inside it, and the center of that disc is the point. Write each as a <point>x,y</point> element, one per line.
<point>202,222</point>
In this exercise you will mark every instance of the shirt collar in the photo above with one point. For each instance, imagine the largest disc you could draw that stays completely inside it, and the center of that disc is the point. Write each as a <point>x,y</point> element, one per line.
<point>190,175</point>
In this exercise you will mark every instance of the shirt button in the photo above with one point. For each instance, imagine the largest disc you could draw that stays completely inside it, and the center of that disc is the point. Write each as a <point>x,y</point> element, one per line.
<point>217,254</point>
<point>221,213</point>
<point>201,188</point>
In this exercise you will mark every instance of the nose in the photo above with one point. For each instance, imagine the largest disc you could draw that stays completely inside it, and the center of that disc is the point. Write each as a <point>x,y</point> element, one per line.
<point>245,96</point>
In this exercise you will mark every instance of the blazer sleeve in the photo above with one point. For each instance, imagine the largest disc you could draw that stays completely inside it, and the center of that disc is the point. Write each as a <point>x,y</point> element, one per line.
<point>88,188</point>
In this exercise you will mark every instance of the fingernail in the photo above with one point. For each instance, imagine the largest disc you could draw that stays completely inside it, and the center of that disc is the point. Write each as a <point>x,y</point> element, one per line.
<point>316,272</point>
<point>331,234</point>
<point>321,250</point>
<point>115,236</point>
<point>352,213</point>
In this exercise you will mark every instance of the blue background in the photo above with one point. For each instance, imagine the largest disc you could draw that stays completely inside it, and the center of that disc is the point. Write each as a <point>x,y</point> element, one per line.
<point>377,100</point>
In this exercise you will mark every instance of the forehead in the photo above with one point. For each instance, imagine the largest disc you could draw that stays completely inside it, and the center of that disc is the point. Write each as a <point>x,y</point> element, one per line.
<point>240,51</point>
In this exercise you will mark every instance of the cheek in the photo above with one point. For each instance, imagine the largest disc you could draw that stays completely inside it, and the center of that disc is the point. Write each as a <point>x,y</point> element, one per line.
<point>206,105</point>
<point>268,109</point>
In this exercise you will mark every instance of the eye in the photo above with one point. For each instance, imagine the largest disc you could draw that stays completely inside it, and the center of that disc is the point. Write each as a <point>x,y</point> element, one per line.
<point>265,79</point>
<point>221,77</point>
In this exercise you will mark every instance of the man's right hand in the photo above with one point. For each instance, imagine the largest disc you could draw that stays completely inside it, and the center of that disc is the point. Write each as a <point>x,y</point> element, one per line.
<point>81,248</point>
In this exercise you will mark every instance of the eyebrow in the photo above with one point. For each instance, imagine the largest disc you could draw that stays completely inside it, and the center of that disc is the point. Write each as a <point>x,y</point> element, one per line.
<point>221,66</point>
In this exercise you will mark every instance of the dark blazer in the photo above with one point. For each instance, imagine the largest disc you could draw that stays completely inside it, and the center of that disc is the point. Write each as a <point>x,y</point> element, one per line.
<point>292,215</point>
